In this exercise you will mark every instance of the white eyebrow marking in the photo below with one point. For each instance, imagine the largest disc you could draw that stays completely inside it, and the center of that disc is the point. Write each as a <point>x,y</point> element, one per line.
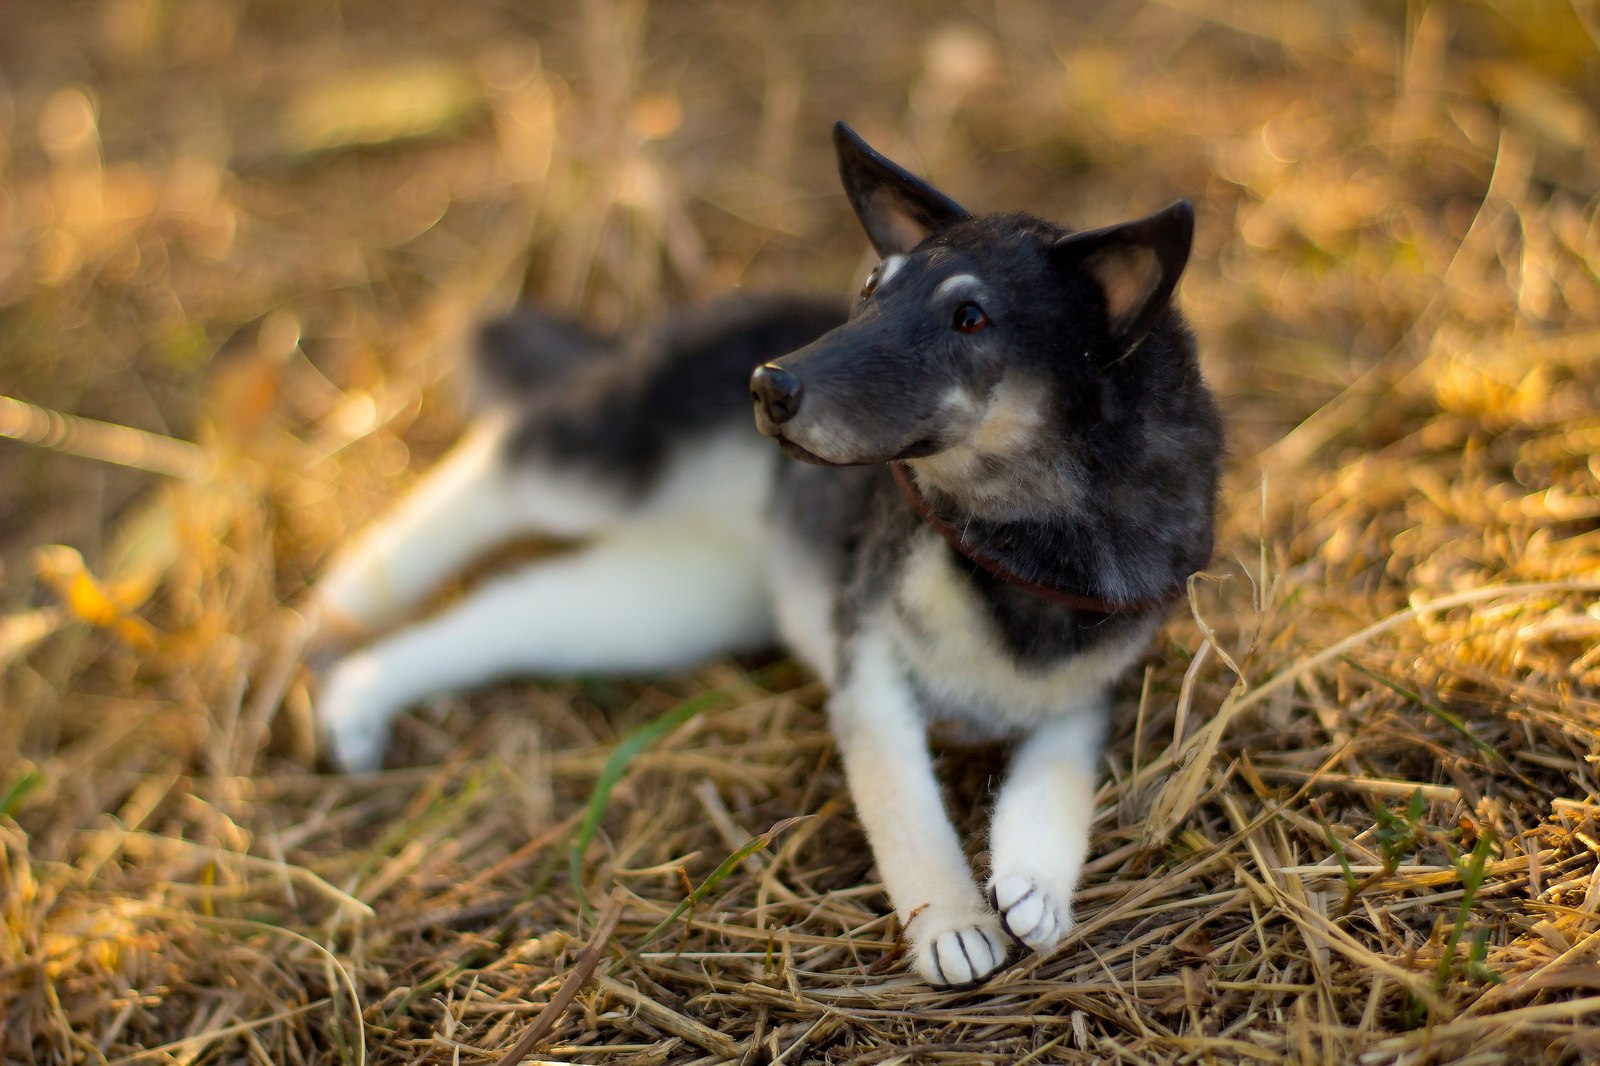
<point>889,266</point>
<point>959,281</point>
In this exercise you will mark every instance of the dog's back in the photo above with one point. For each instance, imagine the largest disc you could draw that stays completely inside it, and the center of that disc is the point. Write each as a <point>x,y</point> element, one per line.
<point>621,407</point>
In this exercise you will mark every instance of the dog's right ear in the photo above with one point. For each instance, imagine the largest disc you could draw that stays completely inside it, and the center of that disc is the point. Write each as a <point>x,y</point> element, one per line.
<point>897,209</point>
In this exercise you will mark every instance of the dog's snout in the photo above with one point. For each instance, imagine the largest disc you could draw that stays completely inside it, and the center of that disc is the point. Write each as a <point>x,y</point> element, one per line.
<point>777,391</point>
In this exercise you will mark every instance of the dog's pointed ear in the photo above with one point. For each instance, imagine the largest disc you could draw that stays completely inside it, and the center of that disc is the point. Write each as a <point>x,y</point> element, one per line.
<point>897,209</point>
<point>1136,266</point>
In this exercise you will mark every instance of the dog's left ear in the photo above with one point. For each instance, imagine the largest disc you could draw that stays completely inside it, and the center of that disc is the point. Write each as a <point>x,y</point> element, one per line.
<point>1136,266</point>
<point>897,209</point>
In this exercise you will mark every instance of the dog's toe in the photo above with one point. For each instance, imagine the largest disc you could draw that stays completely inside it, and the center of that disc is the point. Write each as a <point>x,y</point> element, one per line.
<point>1032,914</point>
<point>963,956</point>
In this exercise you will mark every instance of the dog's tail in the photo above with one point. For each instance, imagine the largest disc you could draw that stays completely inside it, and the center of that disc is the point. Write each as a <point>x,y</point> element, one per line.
<point>528,353</point>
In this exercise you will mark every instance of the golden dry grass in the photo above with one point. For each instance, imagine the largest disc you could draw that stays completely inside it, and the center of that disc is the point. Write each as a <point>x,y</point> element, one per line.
<point>1351,811</point>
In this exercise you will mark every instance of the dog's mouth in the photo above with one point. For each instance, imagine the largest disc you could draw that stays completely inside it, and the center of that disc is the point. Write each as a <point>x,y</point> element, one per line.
<point>926,446</point>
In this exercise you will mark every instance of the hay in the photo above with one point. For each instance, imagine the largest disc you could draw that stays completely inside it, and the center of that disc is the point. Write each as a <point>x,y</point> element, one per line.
<point>1350,813</point>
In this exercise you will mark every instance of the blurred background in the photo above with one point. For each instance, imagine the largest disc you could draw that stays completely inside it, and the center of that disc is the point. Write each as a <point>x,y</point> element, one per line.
<point>241,242</point>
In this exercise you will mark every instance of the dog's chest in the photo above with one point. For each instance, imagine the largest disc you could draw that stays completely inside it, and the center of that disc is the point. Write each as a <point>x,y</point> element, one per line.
<point>958,661</point>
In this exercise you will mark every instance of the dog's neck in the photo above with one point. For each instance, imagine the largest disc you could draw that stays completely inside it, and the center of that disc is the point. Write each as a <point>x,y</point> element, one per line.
<point>1049,593</point>
<point>1129,539</point>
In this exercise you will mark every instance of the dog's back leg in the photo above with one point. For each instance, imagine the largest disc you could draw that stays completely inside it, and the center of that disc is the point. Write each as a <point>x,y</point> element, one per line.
<point>640,601</point>
<point>483,494</point>
<point>461,507</point>
<point>472,500</point>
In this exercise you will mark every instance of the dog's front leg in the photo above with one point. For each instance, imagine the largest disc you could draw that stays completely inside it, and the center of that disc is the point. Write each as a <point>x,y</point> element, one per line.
<point>1041,826</point>
<point>955,938</point>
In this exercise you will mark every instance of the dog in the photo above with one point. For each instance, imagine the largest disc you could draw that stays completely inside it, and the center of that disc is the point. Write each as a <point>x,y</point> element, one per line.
<point>1007,472</point>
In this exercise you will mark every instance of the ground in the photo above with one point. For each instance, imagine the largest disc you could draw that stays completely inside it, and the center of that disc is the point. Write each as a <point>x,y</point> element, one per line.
<point>1350,811</point>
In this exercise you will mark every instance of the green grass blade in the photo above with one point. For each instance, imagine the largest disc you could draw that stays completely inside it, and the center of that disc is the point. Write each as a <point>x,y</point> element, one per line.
<point>1352,884</point>
<point>716,877</point>
<point>11,802</point>
<point>617,765</point>
<point>1434,709</point>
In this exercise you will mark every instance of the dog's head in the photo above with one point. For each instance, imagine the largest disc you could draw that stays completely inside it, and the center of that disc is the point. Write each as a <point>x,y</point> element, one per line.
<point>973,334</point>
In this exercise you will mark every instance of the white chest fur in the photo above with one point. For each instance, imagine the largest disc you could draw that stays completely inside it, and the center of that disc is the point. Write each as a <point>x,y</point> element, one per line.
<point>951,645</point>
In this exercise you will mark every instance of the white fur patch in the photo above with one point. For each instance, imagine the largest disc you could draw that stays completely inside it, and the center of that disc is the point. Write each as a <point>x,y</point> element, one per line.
<point>956,654</point>
<point>967,284</point>
<point>474,500</point>
<point>719,482</point>
<point>643,601</point>
<point>958,400</point>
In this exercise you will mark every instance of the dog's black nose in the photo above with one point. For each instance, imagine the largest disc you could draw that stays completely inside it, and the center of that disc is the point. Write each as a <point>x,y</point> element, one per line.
<point>777,391</point>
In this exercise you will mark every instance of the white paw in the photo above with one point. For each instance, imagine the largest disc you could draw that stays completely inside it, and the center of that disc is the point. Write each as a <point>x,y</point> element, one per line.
<point>353,715</point>
<point>959,953</point>
<point>1033,913</point>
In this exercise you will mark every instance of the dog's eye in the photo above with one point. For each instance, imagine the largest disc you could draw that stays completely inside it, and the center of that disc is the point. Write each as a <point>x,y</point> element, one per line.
<point>872,283</point>
<point>969,319</point>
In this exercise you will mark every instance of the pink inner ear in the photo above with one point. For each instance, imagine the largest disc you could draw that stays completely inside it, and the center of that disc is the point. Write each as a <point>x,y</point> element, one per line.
<point>903,230</point>
<point>1128,276</point>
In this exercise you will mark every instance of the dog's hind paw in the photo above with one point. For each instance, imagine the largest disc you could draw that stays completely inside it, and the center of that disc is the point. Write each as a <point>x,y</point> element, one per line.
<point>1032,914</point>
<point>961,954</point>
<point>353,719</point>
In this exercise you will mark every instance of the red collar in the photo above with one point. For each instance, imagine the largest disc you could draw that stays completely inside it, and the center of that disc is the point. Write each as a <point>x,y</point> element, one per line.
<point>1045,592</point>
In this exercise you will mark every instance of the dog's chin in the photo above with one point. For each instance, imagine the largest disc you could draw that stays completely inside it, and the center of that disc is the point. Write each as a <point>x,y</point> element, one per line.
<point>794,451</point>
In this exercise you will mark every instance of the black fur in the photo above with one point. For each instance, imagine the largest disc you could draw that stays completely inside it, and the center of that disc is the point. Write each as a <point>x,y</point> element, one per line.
<point>527,353</point>
<point>1140,430</point>
<point>630,400</point>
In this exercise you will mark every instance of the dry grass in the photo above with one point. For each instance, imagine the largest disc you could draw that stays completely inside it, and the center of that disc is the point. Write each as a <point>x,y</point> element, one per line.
<point>1351,812</point>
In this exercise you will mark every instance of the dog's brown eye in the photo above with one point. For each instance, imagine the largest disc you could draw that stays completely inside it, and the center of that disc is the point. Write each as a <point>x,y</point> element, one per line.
<point>872,283</point>
<point>970,318</point>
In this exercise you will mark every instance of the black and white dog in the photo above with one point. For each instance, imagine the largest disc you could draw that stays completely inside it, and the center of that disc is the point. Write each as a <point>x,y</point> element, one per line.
<point>1009,471</point>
